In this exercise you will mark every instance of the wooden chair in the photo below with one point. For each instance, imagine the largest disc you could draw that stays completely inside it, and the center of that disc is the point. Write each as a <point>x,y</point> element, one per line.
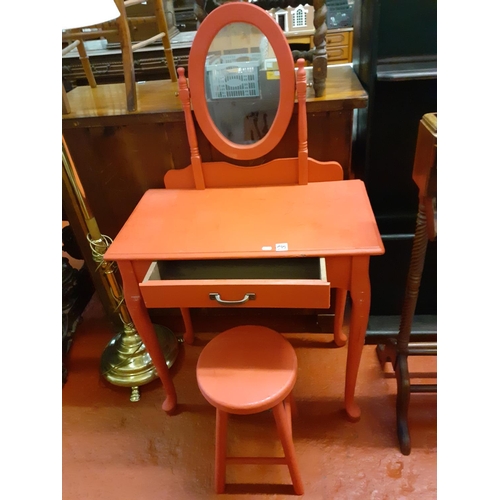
<point>247,370</point>
<point>221,174</point>
<point>397,350</point>
<point>76,38</point>
<point>163,32</point>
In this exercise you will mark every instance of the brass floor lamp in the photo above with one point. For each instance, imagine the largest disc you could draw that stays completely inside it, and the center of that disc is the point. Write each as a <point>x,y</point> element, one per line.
<point>125,361</point>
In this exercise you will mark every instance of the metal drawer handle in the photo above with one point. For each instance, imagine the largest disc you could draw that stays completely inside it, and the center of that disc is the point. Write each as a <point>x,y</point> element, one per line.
<point>216,296</point>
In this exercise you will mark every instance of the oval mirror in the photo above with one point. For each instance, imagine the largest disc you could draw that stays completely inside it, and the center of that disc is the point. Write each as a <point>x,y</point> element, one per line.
<point>241,83</point>
<point>242,80</point>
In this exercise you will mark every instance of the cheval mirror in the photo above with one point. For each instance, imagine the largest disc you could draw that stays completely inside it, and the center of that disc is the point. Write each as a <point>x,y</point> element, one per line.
<point>242,87</point>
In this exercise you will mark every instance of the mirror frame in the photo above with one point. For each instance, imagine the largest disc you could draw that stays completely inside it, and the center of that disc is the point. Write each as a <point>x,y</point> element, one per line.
<point>241,12</point>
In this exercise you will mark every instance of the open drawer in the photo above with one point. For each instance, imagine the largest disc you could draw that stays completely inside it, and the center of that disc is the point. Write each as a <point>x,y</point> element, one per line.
<point>273,282</point>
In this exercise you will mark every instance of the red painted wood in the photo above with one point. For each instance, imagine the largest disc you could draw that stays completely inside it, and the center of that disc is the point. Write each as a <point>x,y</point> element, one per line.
<point>277,172</point>
<point>188,325</point>
<point>220,450</point>
<point>297,204</point>
<point>142,323</point>
<point>191,132</point>
<point>302,122</point>
<point>268,293</point>
<point>245,370</point>
<point>339,337</point>
<point>320,219</point>
<point>284,426</point>
<point>360,311</point>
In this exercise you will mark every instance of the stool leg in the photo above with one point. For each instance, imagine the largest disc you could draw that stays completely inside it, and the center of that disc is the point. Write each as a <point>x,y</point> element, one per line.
<point>292,406</point>
<point>220,450</point>
<point>284,425</point>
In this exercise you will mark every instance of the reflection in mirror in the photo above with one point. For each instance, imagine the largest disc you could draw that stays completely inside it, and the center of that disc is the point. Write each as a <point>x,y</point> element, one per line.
<point>242,83</point>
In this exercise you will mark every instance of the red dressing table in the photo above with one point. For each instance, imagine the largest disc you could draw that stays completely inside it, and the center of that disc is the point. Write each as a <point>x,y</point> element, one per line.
<point>279,234</point>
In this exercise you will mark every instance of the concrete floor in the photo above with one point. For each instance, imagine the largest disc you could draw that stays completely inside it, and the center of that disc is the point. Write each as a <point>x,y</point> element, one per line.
<point>116,449</point>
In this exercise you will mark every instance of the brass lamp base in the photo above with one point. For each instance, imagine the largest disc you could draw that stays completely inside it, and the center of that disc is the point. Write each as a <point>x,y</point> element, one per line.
<point>126,363</point>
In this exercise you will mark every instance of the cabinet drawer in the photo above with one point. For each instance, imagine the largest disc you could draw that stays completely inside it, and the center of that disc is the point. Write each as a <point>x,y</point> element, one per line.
<point>337,39</point>
<point>337,54</point>
<point>304,39</point>
<point>276,282</point>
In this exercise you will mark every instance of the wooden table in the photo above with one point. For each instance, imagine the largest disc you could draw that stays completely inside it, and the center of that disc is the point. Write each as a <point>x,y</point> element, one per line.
<point>277,247</point>
<point>119,155</point>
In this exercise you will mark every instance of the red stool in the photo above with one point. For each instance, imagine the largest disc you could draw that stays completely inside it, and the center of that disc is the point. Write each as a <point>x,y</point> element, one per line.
<point>246,370</point>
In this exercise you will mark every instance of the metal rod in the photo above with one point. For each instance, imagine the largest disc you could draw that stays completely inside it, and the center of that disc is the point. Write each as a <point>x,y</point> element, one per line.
<point>430,388</point>
<point>422,348</point>
<point>97,241</point>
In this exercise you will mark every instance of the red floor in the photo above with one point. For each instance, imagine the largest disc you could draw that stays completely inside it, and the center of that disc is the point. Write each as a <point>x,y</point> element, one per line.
<point>116,449</point>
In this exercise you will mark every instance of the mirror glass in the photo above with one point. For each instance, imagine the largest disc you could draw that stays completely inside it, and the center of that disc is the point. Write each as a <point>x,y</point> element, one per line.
<point>242,83</point>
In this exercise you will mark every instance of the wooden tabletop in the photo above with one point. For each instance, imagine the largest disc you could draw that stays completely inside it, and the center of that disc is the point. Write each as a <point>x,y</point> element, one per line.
<point>317,219</point>
<point>158,102</point>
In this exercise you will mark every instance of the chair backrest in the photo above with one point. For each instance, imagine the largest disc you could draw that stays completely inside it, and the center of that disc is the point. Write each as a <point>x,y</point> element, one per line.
<point>121,27</point>
<point>242,87</point>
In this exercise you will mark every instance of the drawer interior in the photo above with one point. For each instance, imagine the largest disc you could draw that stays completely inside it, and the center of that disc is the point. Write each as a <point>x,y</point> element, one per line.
<point>303,268</point>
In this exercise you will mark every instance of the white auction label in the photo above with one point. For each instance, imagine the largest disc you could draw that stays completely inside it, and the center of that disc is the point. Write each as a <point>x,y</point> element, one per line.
<point>281,247</point>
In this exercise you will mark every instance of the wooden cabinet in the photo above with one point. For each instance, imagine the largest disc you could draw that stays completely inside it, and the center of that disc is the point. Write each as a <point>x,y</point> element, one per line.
<point>339,46</point>
<point>395,59</point>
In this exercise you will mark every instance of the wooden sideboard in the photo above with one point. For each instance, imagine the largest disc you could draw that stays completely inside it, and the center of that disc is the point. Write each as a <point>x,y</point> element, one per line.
<point>119,155</point>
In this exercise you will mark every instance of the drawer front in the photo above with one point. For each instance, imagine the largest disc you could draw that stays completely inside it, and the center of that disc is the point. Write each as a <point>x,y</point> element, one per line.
<point>304,39</point>
<point>159,292</point>
<point>338,54</point>
<point>337,39</point>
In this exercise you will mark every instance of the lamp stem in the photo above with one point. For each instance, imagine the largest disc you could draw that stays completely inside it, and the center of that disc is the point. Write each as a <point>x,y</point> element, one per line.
<point>125,361</point>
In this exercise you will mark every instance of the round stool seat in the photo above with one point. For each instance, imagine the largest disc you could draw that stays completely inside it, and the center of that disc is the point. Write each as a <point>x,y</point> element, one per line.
<point>247,369</point>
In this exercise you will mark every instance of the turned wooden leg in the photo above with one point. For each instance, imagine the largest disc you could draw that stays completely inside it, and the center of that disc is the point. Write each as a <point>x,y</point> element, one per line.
<point>360,295</point>
<point>403,402</point>
<point>417,261</point>
<point>188,326</point>
<point>284,425</point>
<point>220,450</point>
<point>339,336</point>
<point>320,61</point>
<point>140,317</point>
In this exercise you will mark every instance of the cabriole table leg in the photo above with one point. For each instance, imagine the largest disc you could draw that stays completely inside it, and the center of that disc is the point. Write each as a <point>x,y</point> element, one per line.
<point>360,295</point>
<point>145,329</point>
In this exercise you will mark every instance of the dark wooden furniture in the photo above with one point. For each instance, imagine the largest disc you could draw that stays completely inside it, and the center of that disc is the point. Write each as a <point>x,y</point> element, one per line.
<point>394,56</point>
<point>77,290</point>
<point>398,350</point>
